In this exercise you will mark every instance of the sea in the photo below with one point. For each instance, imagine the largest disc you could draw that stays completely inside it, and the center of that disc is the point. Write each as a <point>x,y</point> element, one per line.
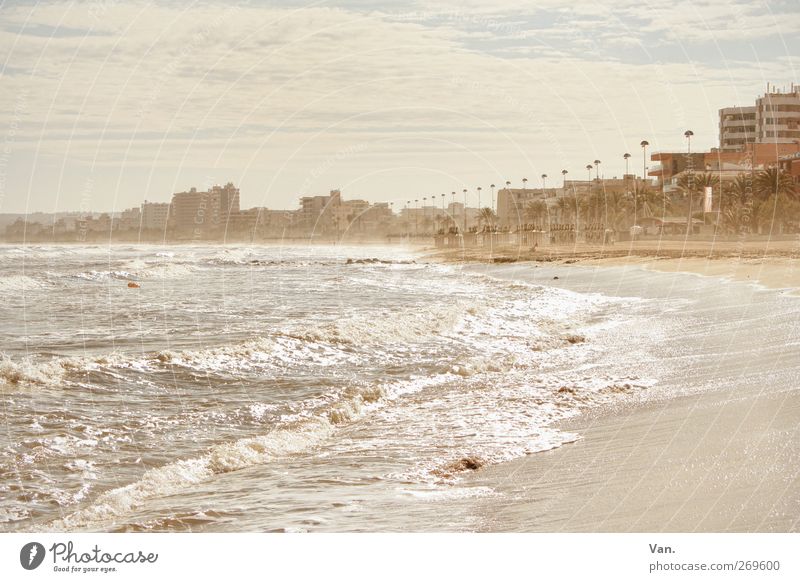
<point>338,388</point>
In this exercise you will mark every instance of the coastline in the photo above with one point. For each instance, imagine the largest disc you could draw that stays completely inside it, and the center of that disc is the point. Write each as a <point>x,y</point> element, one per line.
<point>722,460</point>
<point>773,264</point>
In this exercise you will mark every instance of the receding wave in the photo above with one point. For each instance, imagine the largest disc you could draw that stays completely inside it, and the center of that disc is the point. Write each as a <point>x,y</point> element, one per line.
<point>290,439</point>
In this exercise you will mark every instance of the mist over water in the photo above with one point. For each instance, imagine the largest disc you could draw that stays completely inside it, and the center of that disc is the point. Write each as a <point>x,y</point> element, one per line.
<point>289,388</point>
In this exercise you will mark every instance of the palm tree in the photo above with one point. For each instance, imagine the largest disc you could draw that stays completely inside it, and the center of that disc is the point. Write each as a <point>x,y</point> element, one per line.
<point>486,216</point>
<point>626,156</point>
<point>524,183</point>
<point>776,198</point>
<point>536,211</point>
<point>649,202</point>
<point>567,209</point>
<point>589,167</point>
<point>564,173</point>
<point>492,187</point>
<point>597,169</point>
<point>693,186</point>
<point>544,183</point>
<point>773,182</point>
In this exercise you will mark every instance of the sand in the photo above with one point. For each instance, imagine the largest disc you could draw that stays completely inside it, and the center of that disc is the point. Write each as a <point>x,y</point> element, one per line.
<point>716,462</point>
<point>774,264</point>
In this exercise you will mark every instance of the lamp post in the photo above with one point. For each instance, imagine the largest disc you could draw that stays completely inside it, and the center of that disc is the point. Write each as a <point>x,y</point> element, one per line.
<point>465,211</point>
<point>688,135</point>
<point>644,145</point>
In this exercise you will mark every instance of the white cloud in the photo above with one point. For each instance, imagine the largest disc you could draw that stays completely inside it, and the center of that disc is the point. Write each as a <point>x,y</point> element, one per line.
<point>143,99</point>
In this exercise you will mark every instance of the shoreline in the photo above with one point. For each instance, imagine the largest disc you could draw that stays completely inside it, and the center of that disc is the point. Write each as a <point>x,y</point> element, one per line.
<point>774,265</point>
<point>698,463</point>
<point>722,460</point>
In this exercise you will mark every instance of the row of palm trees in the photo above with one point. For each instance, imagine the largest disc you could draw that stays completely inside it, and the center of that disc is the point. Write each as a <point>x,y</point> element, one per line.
<point>760,202</point>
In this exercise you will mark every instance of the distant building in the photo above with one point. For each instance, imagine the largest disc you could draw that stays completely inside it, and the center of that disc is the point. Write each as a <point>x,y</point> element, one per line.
<point>130,219</point>
<point>775,118</point>
<point>318,214</point>
<point>778,116</point>
<point>154,215</point>
<point>196,215</point>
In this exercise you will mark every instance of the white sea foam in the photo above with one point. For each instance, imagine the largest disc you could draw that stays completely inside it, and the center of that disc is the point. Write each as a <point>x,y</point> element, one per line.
<point>291,439</point>
<point>10,283</point>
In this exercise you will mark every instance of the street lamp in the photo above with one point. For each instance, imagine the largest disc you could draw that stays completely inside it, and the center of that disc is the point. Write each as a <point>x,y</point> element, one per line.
<point>465,211</point>
<point>644,145</point>
<point>688,135</point>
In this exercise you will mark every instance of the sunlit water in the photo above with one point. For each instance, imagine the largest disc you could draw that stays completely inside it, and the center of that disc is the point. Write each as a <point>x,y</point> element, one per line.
<point>307,388</point>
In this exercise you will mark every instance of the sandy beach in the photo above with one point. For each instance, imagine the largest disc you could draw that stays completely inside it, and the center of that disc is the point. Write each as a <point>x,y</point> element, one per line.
<point>774,264</point>
<point>716,461</point>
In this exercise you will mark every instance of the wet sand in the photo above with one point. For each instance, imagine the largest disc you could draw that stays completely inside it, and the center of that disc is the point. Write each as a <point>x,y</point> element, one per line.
<point>716,462</point>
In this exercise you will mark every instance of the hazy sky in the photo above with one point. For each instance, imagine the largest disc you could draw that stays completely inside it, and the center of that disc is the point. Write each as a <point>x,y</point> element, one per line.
<point>109,102</point>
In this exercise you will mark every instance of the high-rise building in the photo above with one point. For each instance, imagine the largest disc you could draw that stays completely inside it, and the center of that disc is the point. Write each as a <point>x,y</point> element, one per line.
<point>775,118</point>
<point>204,214</point>
<point>154,215</point>
<point>737,127</point>
<point>778,116</point>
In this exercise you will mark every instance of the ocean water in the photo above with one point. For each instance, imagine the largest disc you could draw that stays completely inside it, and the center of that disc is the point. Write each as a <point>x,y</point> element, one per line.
<point>313,388</point>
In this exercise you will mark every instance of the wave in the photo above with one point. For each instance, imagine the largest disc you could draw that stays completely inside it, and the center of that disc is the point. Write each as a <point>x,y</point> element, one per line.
<point>388,327</point>
<point>20,283</point>
<point>137,270</point>
<point>293,438</point>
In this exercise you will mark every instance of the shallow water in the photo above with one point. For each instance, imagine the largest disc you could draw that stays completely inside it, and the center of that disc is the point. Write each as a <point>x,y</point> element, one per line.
<point>317,388</point>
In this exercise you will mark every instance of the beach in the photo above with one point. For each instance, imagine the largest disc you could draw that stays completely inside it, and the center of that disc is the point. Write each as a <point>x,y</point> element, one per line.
<point>723,458</point>
<point>388,388</point>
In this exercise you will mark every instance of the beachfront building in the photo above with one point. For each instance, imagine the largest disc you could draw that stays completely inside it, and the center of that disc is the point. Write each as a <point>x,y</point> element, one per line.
<point>775,118</point>
<point>513,202</point>
<point>790,165</point>
<point>316,214</point>
<point>778,116</point>
<point>202,215</point>
<point>737,127</point>
<point>130,219</point>
<point>154,215</point>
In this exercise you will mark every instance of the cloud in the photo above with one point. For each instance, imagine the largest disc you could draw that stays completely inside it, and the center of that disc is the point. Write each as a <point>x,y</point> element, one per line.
<point>144,99</point>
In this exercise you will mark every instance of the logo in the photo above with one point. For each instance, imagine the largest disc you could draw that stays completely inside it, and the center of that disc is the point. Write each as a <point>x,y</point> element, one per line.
<point>31,555</point>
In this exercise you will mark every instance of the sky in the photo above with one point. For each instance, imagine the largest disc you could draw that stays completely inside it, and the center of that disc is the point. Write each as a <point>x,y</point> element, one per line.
<point>107,103</point>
